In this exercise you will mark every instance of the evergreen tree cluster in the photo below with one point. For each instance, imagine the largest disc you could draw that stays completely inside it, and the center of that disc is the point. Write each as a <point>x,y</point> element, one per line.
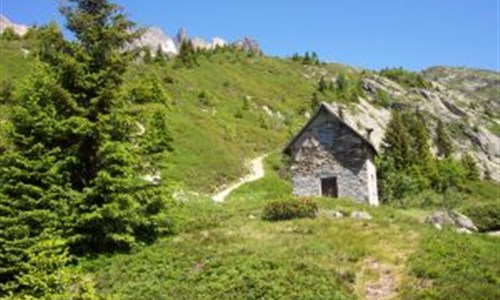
<point>188,55</point>
<point>406,78</point>
<point>307,59</point>
<point>346,88</point>
<point>407,166</point>
<point>72,181</point>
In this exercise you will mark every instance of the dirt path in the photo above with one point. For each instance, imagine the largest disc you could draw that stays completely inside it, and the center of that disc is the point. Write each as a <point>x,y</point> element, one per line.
<point>256,167</point>
<point>386,284</point>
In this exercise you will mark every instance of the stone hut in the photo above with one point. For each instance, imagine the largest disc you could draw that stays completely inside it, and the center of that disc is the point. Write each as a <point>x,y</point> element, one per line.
<point>330,158</point>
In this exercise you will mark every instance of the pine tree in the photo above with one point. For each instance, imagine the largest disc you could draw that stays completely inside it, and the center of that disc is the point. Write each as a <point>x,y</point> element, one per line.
<point>33,193</point>
<point>322,85</point>
<point>187,54</point>
<point>396,143</point>
<point>421,155</point>
<point>307,59</point>
<point>106,170</point>
<point>470,167</point>
<point>160,57</point>
<point>315,101</point>
<point>443,142</point>
<point>73,168</point>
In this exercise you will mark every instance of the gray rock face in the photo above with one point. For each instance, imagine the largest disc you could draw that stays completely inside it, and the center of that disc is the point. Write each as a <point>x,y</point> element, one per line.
<point>154,38</point>
<point>5,23</point>
<point>248,44</point>
<point>464,99</point>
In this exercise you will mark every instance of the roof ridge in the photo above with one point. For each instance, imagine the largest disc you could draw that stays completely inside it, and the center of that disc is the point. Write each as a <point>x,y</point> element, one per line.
<point>331,111</point>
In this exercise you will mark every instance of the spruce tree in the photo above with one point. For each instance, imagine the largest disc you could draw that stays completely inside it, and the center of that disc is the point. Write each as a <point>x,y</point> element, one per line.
<point>73,169</point>
<point>396,143</point>
<point>470,167</point>
<point>421,156</point>
<point>443,142</point>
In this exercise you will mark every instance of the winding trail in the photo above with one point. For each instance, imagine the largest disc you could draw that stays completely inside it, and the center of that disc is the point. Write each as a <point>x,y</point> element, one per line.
<point>256,167</point>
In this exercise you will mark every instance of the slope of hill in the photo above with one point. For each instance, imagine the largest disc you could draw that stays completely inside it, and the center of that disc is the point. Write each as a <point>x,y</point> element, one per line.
<point>226,251</point>
<point>234,105</point>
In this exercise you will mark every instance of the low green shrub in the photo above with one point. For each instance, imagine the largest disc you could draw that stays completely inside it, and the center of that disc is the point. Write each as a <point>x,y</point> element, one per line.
<point>485,216</point>
<point>290,209</point>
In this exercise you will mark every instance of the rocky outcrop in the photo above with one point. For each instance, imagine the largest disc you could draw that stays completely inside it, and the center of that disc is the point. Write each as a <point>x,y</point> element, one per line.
<point>248,44</point>
<point>460,222</point>
<point>154,38</point>
<point>467,121</point>
<point>19,29</point>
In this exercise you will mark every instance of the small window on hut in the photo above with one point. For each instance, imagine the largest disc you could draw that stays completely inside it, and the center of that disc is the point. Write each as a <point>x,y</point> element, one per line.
<point>325,134</point>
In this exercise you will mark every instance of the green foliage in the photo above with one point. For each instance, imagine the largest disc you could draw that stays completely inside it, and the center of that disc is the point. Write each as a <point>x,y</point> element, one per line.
<point>205,98</point>
<point>346,89</point>
<point>147,89</point>
<point>451,174</point>
<point>397,142</point>
<point>406,165</point>
<point>315,102</point>
<point>470,167</point>
<point>188,56</point>
<point>459,267</point>
<point>485,216</point>
<point>290,209</point>
<point>9,34</point>
<point>307,59</point>
<point>443,142</point>
<point>72,169</point>
<point>6,92</point>
<point>383,99</point>
<point>406,78</point>
<point>158,137</point>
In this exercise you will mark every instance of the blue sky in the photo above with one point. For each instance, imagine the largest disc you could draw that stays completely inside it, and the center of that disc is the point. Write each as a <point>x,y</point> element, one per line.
<point>365,33</point>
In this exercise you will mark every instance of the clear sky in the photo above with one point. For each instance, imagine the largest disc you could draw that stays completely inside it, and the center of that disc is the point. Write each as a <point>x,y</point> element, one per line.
<point>372,34</point>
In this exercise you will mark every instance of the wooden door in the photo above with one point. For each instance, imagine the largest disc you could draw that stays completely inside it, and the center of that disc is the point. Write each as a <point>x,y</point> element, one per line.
<point>329,187</point>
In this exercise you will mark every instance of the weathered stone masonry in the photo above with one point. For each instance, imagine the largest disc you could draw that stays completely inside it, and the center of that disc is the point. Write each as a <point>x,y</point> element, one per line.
<point>329,148</point>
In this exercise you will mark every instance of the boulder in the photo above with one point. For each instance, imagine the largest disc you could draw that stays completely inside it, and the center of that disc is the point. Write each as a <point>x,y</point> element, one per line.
<point>334,214</point>
<point>439,219</point>
<point>462,221</point>
<point>463,230</point>
<point>361,215</point>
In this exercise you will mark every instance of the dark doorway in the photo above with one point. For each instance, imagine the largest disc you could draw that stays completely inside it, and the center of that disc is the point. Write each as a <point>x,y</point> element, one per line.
<point>329,187</point>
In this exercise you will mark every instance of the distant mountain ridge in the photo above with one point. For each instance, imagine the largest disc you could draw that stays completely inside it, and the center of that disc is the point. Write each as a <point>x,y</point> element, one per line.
<point>5,23</point>
<point>155,38</point>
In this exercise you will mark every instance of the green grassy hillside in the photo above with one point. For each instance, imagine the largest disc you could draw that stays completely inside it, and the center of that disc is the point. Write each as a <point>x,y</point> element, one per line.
<point>228,252</point>
<point>227,109</point>
<point>232,107</point>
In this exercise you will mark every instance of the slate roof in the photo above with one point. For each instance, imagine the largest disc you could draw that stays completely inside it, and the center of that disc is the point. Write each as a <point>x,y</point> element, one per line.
<point>329,109</point>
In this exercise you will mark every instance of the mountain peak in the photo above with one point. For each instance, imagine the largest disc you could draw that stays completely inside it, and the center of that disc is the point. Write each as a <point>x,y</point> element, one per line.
<point>6,23</point>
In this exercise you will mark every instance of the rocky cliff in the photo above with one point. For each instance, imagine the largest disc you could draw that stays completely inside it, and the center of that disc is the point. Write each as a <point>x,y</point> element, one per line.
<point>466,100</point>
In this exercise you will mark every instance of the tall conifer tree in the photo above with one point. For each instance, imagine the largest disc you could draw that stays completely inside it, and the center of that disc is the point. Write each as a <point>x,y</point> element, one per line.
<point>73,169</point>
